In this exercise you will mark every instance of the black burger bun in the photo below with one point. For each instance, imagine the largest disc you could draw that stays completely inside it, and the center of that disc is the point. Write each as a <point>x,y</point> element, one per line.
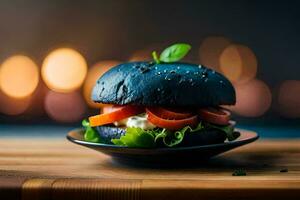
<point>164,84</point>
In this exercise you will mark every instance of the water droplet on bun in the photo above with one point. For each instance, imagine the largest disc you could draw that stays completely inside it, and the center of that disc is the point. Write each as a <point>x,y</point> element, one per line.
<point>200,66</point>
<point>172,71</point>
<point>165,71</point>
<point>167,78</point>
<point>204,74</point>
<point>187,72</point>
<point>178,67</point>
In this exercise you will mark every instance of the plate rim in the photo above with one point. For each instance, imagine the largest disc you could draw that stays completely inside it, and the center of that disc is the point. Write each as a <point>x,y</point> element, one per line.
<point>112,146</point>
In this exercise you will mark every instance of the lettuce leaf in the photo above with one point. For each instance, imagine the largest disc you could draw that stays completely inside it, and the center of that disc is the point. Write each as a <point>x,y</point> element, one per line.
<point>139,138</point>
<point>90,134</point>
<point>171,139</point>
<point>136,137</point>
<point>229,130</point>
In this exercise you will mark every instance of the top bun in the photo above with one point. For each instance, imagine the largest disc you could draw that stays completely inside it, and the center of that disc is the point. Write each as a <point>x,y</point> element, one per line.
<point>164,84</point>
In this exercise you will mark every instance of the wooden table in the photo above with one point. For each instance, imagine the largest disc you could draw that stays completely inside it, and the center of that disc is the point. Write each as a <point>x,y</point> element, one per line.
<point>57,169</point>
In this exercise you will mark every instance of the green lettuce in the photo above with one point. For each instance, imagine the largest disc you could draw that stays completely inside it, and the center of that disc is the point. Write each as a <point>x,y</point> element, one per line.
<point>228,129</point>
<point>136,137</point>
<point>139,138</point>
<point>171,139</point>
<point>90,134</point>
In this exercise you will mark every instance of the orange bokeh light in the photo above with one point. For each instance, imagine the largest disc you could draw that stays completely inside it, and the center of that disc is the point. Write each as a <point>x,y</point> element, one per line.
<point>64,70</point>
<point>289,99</point>
<point>253,99</point>
<point>93,75</point>
<point>36,107</point>
<point>146,53</point>
<point>211,49</point>
<point>19,76</point>
<point>140,55</point>
<point>13,106</point>
<point>238,63</point>
<point>65,107</point>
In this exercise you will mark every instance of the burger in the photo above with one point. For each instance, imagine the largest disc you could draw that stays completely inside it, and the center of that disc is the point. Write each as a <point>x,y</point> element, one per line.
<point>162,103</point>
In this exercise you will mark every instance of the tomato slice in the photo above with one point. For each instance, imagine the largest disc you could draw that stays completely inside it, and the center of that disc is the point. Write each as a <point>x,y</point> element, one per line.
<point>115,113</point>
<point>171,113</point>
<point>171,124</point>
<point>217,116</point>
<point>110,108</point>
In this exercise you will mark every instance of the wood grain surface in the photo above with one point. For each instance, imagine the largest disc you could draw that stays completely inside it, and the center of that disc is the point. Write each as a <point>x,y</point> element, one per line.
<point>57,169</point>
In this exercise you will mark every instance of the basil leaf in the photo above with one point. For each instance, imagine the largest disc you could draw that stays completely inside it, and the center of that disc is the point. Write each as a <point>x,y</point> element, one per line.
<point>90,134</point>
<point>155,57</point>
<point>174,53</point>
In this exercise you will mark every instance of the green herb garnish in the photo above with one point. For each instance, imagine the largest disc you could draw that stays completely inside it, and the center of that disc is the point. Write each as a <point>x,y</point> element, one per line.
<point>172,53</point>
<point>239,172</point>
<point>90,134</point>
<point>155,57</point>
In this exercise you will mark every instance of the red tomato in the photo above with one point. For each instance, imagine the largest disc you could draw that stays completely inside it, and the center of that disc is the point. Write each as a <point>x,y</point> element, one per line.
<point>212,115</point>
<point>175,124</point>
<point>171,113</point>
<point>115,113</point>
<point>110,108</point>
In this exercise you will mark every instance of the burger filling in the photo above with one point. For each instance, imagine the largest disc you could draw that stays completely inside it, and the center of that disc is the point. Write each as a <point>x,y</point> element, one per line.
<point>157,126</point>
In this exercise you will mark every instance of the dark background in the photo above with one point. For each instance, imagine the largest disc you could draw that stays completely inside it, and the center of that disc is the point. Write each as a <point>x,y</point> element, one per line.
<point>114,29</point>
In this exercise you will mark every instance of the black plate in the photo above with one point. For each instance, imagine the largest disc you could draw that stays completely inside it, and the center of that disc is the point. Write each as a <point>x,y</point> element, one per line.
<point>163,155</point>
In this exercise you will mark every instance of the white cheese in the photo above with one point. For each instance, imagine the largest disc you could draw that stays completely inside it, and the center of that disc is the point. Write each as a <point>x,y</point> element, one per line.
<point>138,121</point>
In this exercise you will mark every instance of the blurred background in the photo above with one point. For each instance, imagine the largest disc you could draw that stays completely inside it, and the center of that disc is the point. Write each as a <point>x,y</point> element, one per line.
<point>52,52</point>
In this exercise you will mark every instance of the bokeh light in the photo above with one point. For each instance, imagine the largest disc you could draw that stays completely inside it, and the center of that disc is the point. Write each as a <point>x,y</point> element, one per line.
<point>36,107</point>
<point>211,49</point>
<point>146,53</point>
<point>253,99</point>
<point>65,107</point>
<point>238,63</point>
<point>13,106</point>
<point>93,75</point>
<point>289,99</point>
<point>64,70</point>
<point>19,76</point>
